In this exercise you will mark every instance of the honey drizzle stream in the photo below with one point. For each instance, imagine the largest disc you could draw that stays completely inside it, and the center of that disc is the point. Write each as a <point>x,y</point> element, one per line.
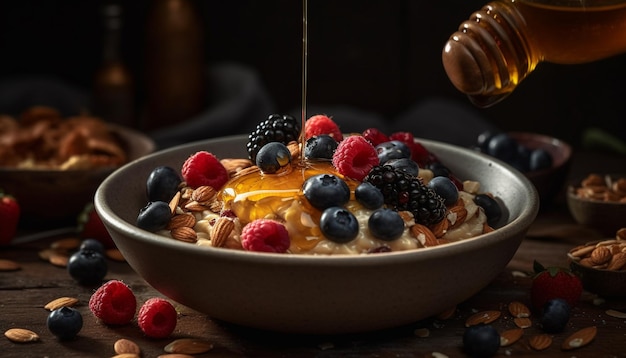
<point>305,55</point>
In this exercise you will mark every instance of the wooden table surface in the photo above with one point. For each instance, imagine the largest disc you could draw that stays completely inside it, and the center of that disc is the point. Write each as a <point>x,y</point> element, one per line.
<point>24,292</point>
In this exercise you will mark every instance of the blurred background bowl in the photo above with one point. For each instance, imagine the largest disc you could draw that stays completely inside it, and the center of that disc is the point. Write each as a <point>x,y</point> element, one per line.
<point>549,182</point>
<point>605,217</point>
<point>317,294</point>
<point>603,282</point>
<point>57,197</point>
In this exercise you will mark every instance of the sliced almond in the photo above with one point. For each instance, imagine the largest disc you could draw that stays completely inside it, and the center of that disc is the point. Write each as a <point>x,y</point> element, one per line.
<point>21,335</point>
<point>127,355</point>
<point>68,244</point>
<point>440,228</point>
<point>189,346</point>
<point>510,336</point>
<point>126,346</point>
<point>616,314</point>
<point>456,216</point>
<point>175,201</point>
<point>580,338</point>
<point>233,166</point>
<point>185,234</point>
<point>581,251</point>
<point>61,302</point>
<point>221,231</point>
<point>9,265</point>
<point>540,342</point>
<point>518,309</point>
<point>522,322</point>
<point>424,235</point>
<point>484,317</point>
<point>59,259</point>
<point>175,355</point>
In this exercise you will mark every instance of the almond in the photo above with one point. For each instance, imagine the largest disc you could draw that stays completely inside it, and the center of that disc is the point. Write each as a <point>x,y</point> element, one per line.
<point>233,166</point>
<point>21,335</point>
<point>126,355</point>
<point>61,302</point>
<point>68,244</point>
<point>9,265</point>
<point>174,202</point>
<point>616,314</point>
<point>424,235</point>
<point>580,338</point>
<point>510,336</point>
<point>59,259</point>
<point>195,206</point>
<point>518,309</point>
<point>447,314</point>
<point>203,194</point>
<point>522,322</point>
<point>440,228</point>
<point>618,262</point>
<point>456,216</point>
<point>600,255</point>
<point>126,346</point>
<point>540,342</point>
<point>484,317</point>
<point>581,251</point>
<point>221,231</point>
<point>175,355</point>
<point>180,220</point>
<point>185,234</point>
<point>189,346</point>
<point>621,234</point>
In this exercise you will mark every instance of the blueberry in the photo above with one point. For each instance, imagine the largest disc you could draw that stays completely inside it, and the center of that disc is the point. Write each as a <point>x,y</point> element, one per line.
<point>326,190</point>
<point>539,159</point>
<point>162,184</point>
<point>521,160</point>
<point>154,216</point>
<point>369,196</point>
<point>555,315</point>
<point>320,147</point>
<point>385,224</point>
<point>445,188</point>
<point>87,267</point>
<point>482,142</point>
<point>393,149</point>
<point>93,245</point>
<point>406,165</point>
<point>490,206</point>
<point>481,340</point>
<point>438,169</point>
<point>273,157</point>
<point>339,224</point>
<point>65,322</point>
<point>503,147</point>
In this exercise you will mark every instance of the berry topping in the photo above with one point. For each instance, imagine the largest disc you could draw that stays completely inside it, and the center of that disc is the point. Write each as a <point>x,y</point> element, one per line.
<point>386,224</point>
<point>539,159</point>
<point>339,224</point>
<point>490,206</point>
<point>554,282</point>
<point>375,136</point>
<point>93,245</point>
<point>481,340</point>
<point>392,150</point>
<point>320,146</point>
<point>276,128</point>
<point>446,189</point>
<point>322,124</point>
<point>87,267</point>
<point>406,165</point>
<point>326,190</point>
<point>355,157</point>
<point>555,315</point>
<point>203,168</point>
<point>113,303</point>
<point>503,147</point>
<point>154,216</point>
<point>162,184</point>
<point>264,235</point>
<point>157,318</point>
<point>438,169</point>
<point>405,192</point>
<point>65,322</point>
<point>369,196</point>
<point>273,157</point>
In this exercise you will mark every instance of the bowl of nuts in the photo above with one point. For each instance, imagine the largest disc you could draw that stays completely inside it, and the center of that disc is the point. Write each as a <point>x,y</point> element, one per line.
<point>53,164</point>
<point>601,265</point>
<point>599,202</point>
<point>260,251</point>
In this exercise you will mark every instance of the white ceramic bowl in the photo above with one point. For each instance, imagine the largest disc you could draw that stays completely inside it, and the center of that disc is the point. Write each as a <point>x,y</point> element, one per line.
<point>317,294</point>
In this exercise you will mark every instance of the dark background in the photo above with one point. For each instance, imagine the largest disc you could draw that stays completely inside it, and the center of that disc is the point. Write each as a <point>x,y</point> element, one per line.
<point>380,56</point>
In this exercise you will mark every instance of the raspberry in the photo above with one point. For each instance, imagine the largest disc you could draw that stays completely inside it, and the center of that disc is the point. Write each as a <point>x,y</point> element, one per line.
<point>355,157</point>
<point>375,136</point>
<point>265,235</point>
<point>157,318</point>
<point>113,303</point>
<point>203,168</point>
<point>322,124</point>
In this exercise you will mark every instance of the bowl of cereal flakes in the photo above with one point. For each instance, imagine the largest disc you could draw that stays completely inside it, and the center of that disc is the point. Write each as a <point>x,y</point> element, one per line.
<point>598,201</point>
<point>53,164</point>
<point>317,237</point>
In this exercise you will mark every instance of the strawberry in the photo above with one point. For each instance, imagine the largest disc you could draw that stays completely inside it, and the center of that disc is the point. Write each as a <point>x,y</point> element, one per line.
<point>9,218</point>
<point>554,282</point>
<point>90,226</point>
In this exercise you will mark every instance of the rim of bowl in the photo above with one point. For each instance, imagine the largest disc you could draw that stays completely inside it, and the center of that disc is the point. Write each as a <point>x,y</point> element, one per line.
<point>513,227</point>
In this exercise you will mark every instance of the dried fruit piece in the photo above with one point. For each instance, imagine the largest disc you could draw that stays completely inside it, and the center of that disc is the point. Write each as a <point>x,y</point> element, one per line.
<point>540,342</point>
<point>484,317</point>
<point>21,335</point>
<point>580,338</point>
<point>510,336</point>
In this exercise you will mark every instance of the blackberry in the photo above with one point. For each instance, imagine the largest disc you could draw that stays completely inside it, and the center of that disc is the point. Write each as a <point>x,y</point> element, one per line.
<point>276,128</point>
<point>405,192</point>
